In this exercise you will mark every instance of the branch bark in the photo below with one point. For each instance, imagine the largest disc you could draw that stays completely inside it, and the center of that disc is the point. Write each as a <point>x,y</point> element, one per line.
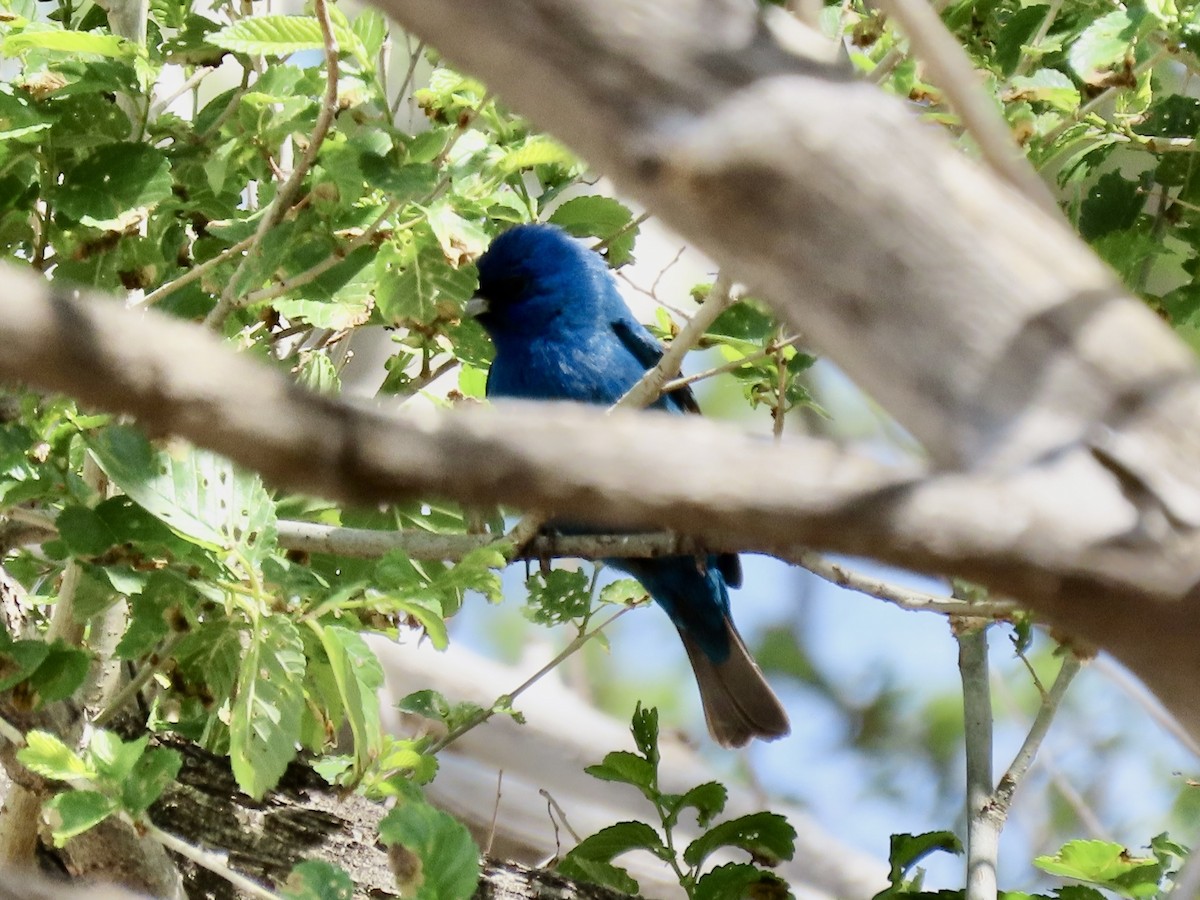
<point>1074,537</point>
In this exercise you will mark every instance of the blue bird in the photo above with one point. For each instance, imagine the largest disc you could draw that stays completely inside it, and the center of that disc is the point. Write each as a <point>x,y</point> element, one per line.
<point>562,332</point>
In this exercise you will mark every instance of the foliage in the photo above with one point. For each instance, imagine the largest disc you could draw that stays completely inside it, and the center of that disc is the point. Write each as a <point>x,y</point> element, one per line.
<point>766,837</point>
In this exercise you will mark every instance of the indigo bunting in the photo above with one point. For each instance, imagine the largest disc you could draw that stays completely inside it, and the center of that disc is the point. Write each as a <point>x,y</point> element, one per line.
<point>562,332</point>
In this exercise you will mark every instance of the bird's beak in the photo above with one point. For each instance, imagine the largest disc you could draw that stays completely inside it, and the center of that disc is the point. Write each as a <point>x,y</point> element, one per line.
<point>476,306</point>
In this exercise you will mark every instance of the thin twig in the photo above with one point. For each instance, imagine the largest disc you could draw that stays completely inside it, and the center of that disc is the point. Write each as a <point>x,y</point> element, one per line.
<point>217,863</point>
<point>137,682</point>
<point>159,106</point>
<point>897,53</point>
<point>553,804</point>
<point>983,831</point>
<point>770,350</point>
<point>506,700</point>
<point>1027,58</point>
<point>951,70</point>
<point>487,849</point>
<point>915,601</point>
<point>275,212</point>
<point>1017,769</point>
<point>413,61</point>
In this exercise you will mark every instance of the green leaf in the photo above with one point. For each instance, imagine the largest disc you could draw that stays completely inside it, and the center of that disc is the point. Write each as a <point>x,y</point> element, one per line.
<point>745,320</point>
<point>264,721</point>
<point>1013,39</point>
<point>426,612</point>
<point>603,218</point>
<point>113,182</point>
<point>1106,44</point>
<point>432,853</point>
<point>49,757</point>
<point>315,879</point>
<point>19,660</point>
<point>734,881</point>
<point>558,596</point>
<point>1106,864</point>
<point>371,28</point>
<point>644,726</point>
<point>622,837</point>
<point>417,284</point>
<point>58,40</point>
<point>601,873</point>
<point>1048,86</point>
<point>277,35</point>
<point>624,767</point>
<point>201,496</point>
<point>113,758</point>
<point>61,673</point>
<point>153,772</point>
<point>74,812</point>
<point>623,592</point>
<point>536,151</point>
<point>84,532</point>
<point>909,849</point>
<point>767,837</point>
<point>318,373</point>
<point>707,799</point>
<point>359,676</point>
<point>1113,204</point>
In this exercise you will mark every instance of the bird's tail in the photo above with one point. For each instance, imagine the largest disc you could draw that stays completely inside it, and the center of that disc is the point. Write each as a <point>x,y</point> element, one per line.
<point>738,702</point>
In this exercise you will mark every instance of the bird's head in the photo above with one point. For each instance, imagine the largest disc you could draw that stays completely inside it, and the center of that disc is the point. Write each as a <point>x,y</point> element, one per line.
<point>536,278</point>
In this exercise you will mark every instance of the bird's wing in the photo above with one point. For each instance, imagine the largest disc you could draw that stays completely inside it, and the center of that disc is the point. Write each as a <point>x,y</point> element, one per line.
<point>647,351</point>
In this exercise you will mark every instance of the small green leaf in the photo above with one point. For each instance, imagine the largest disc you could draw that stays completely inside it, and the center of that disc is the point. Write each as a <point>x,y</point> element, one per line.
<point>61,673</point>
<point>623,592</point>
<point>622,837</point>
<point>113,758</point>
<point>426,612</point>
<point>1106,864</point>
<point>1105,44</point>
<point>745,320</point>
<point>603,218</point>
<point>19,660</point>
<point>277,35</point>
<point>707,799</point>
<point>359,676</point>
<point>59,40</point>
<point>113,181</point>
<point>1112,204</point>
<point>1048,86</point>
<point>199,495</point>
<point>735,881</point>
<point>909,849</point>
<point>536,151</point>
<point>767,837</point>
<point>625,768</point>
<point>74,812</point>
<point>84,532</point>
<point>315,879</point>
<point>264,721</point>
<point>153,772</point>
<point>644,727</point>
<point>601,873</point>
<point>558,596</point>
<point>441,860</point>
<point>49,757</point>
<point>371,28</point>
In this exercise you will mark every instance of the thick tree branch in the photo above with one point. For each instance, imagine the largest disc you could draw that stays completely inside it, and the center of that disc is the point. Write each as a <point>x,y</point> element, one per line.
<point>1077,544</point>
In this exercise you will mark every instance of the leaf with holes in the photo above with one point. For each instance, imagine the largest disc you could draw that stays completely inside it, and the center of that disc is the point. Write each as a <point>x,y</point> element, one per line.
<point>201,496</point>
<point>264,721</point>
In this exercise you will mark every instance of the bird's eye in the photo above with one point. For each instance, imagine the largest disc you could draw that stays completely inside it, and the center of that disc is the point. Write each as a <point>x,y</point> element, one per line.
<point>508,288</point>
